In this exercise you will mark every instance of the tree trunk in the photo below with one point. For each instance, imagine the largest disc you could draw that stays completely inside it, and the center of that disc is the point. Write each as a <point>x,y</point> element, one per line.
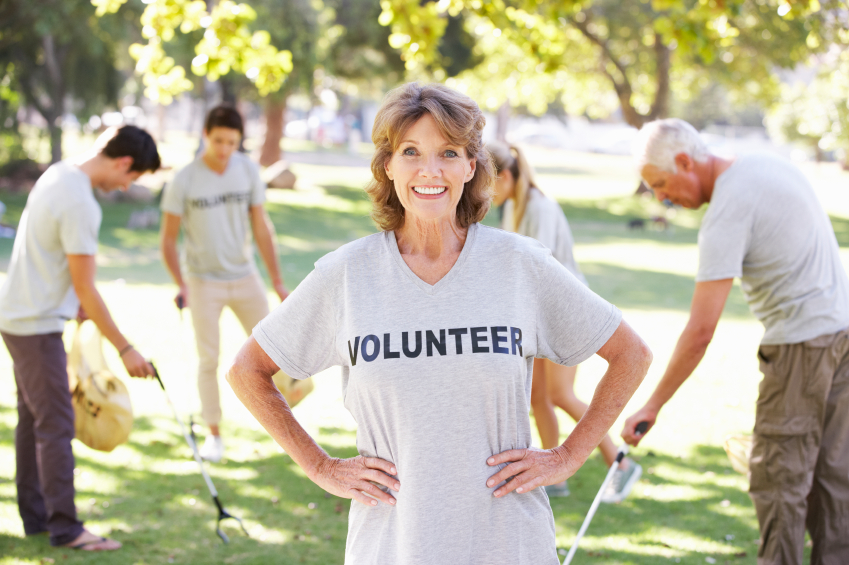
<point>275,111</point>
<point>54,127</point>
<point>228,93</point>
<point>502,119</point>
<point>56,89</point>
<point>660,107</point>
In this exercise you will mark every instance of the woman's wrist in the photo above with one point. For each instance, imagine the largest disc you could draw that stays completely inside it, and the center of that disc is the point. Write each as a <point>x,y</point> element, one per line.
<point>126,349</point>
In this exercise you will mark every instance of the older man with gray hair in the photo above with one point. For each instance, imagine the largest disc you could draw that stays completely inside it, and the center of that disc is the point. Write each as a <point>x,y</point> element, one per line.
<point>766,226</point>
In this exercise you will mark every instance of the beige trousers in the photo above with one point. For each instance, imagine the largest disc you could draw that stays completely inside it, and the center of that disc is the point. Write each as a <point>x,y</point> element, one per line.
<point>207,299</point>
<point>799,467</point>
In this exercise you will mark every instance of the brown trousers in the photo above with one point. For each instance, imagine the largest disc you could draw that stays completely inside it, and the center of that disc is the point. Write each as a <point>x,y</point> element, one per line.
<point>799,467</point>
<point>44,460</point>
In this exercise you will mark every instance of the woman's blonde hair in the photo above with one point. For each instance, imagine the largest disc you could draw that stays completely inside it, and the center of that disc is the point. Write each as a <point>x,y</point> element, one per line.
<point>508,157</point>
<point>460,121</point>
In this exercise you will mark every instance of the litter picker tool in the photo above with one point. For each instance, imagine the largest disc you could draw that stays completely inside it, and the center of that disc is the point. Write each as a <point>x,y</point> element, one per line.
<point>222,513</point>
<point>641,429</point>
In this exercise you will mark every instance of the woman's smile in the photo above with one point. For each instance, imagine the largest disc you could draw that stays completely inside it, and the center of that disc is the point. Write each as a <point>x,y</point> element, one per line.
<point>430,191</point>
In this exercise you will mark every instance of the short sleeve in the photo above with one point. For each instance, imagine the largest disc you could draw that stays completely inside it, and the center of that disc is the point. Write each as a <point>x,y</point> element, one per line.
<point>78,229</point>
<point>173,196</point>
<point>300,334</point>
<point>257,186</point>
<point>543,228</point>
<point>573,322</point>
<point>723,241</point>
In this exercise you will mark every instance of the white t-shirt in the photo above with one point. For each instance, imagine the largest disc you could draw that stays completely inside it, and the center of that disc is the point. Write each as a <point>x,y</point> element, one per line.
<point>438,378</point>
<point>765,225</point>
<point>61,218</point>
<point>545,221</point>
<point>215,218</point>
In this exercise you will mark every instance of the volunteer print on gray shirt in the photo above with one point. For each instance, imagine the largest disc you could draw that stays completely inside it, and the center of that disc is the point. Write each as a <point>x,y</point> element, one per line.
<point>61,218</point>
<point>438,379</point>
<point>765,225</point>
<point>214,211</point>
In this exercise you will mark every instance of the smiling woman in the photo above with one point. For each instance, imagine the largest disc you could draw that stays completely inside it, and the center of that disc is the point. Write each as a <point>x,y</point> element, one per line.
<point>436,322</point>
<point>435,131</point>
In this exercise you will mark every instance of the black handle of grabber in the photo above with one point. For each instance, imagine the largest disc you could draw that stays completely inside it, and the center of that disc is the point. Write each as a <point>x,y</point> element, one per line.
<point>156,374</point>
<point>181,302</point>
<point>642,427</point>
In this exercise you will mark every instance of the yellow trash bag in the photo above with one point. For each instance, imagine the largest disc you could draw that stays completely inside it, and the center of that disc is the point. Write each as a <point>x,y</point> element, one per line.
<point>739,448</point>
<point>103,415</point>
<point>293,390</point>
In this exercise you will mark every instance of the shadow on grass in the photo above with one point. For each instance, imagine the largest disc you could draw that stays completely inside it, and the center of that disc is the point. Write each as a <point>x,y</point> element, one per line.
<point>688,507</point>
<point>158,506</point>
<point>169,515</point>
<point>153,499</point>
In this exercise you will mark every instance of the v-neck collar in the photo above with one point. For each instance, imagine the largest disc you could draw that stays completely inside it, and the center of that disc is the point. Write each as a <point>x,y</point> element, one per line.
<point>392,245</point>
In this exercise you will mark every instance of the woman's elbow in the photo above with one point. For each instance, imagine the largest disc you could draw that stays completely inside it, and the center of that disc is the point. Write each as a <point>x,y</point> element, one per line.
<point>234,376</point>
<point>642,358</point>
<point>648,357</point>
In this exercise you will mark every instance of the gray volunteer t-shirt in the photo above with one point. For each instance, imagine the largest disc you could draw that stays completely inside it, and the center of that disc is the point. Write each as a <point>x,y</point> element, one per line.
<point>545,221</point>
<point>61,218</point>
<point>765,225</point>
<point>438,379</point>
<point>215,216</point>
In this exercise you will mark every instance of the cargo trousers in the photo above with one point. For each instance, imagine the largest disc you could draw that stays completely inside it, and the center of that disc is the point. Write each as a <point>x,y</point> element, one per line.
<point>799,466</point>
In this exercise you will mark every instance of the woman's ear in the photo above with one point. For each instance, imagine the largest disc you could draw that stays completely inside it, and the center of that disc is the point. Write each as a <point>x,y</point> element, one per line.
<point>386,168</point>
<point>472,166</point>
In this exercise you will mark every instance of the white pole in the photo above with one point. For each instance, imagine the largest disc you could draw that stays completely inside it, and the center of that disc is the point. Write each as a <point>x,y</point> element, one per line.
<point>619,456</point>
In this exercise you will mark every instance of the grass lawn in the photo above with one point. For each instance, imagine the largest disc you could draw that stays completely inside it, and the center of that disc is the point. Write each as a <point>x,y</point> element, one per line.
<point>690,507</point>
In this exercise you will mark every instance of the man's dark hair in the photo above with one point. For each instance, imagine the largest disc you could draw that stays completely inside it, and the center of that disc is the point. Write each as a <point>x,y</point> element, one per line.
<point>224,117</point>
<point>131,141</point>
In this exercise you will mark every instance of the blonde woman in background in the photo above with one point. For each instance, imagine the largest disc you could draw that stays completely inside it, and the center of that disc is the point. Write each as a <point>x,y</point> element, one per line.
<point>529,212</point>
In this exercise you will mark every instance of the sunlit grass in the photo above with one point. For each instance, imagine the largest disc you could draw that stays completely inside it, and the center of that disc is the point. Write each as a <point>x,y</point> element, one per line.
<point>148,492</point>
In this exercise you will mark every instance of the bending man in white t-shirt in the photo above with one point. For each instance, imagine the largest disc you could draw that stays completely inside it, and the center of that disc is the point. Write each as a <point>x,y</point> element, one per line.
<point>218,201</point>
<point>766,226</point>
<point>51,280</point>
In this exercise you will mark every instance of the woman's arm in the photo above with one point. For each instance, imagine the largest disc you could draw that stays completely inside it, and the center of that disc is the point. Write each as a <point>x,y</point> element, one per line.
<point>250,377</point>
<point>628,360</point>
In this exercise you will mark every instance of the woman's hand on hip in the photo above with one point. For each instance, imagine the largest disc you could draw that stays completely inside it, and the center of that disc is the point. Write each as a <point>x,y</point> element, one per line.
<point>355,478</point>
<point>530,468</point>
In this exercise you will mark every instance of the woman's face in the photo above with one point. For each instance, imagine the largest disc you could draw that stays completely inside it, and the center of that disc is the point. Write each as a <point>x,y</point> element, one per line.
<point>429,172</point>
<point>504,186</point>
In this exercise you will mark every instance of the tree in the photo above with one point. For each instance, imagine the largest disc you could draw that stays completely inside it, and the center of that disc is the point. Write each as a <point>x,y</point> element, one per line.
<point>599,55</point>
<point>817,114</point>
<point>53,52</point>
<point>226,43</point>
<point>297,31</point>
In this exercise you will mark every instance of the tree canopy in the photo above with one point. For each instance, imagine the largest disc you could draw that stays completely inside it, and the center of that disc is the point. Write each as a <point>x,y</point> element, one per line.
<point>225,42</point>
<point>817,113</point>
<point>594,56</point>
<point>56,51</point>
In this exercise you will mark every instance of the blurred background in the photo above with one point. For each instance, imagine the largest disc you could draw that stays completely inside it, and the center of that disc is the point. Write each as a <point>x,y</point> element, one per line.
<point>571,81</point>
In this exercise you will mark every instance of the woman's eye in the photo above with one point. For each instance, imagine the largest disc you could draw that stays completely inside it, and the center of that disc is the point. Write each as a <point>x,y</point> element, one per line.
<point>450,153</point>
<point>408,151</point>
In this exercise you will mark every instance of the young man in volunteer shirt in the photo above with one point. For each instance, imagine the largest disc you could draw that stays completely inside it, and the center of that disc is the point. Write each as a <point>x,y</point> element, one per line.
<point>766,226</point>
<point>50,281</point>
<point>218,201</point>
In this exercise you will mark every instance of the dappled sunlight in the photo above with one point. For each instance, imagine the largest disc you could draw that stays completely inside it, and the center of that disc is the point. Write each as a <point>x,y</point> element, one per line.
<point>687,504</point>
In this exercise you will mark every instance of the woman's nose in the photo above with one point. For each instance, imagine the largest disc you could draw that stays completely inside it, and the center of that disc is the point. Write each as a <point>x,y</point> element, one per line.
<point>430,167</point>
